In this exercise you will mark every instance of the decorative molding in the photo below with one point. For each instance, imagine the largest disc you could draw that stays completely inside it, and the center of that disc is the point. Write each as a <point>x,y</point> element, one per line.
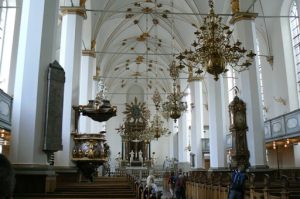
<point>73,10</point>
<point>242,16</point>
<point>195,78</point>
<point>96,78</point>
<point>90,53</point>
<point>265,108</point>
<point>280,100</point>
<point>235,6</point>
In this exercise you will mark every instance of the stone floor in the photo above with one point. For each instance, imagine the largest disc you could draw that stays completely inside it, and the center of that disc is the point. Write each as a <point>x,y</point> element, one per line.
<point>166,195</point>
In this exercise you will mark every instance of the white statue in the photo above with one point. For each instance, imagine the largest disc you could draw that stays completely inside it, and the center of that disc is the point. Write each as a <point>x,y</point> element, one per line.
<point>118,159</point>
<point>167,162</point>
<point>153,159</point>
<point>228,159</point>
<point>131,156</point>
<point>140,156</point>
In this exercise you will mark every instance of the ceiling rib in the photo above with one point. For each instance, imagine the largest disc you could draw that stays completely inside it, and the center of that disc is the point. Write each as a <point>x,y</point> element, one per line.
<point>131,53</point>
<point>179,13</point>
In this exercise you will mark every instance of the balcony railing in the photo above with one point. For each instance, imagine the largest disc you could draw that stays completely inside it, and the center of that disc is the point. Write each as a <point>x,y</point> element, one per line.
<point>5,111</point>
<point>284,126</point>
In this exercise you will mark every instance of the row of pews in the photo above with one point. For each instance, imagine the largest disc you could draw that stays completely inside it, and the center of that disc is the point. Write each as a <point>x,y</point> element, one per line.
<point>264,184</point>
<point>129,184</point>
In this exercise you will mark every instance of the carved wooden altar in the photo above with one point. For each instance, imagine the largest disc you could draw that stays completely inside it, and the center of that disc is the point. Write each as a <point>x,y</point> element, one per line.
<point>133,137</point>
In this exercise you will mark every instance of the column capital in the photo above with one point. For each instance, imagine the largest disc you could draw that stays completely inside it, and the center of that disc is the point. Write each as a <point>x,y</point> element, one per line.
<point>79,10</point>
<point>238,16</point>
<point>90,53</point>
<point>194,78</point>
<point>96,78</point>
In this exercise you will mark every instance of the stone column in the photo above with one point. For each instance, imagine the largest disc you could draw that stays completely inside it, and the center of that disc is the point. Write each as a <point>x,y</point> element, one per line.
<point>197,122</point>
<point>216,108</point>
<point>96,127</point>
<point>35,53</point>
<point>171,138</point>
<point>70,59</point>
<point>248,83</point>
<point>86,83</point>
<point>182,138</point>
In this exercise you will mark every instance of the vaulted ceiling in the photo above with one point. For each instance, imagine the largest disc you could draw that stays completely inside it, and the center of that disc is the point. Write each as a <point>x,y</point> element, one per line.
<point>136,40</point>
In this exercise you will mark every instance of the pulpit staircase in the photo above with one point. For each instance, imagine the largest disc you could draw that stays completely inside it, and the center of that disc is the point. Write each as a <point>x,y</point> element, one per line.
<point>101,187</point>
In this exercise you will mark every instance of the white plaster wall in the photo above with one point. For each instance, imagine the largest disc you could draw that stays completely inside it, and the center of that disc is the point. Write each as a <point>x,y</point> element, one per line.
<point>287,56</point>
<point>285,157</point>
<point>113,138</point>
<point>297,155</point>
<point>279,72</point>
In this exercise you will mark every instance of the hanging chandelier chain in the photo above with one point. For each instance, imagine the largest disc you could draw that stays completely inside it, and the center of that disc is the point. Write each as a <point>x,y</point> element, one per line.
<point>211,4</point>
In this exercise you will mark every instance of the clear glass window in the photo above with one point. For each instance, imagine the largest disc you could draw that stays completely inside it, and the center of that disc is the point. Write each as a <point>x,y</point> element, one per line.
<point>261,81</point>
<point>294,25</point>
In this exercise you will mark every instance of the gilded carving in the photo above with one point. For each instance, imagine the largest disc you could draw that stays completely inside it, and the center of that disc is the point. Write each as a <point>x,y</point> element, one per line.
<point>74,10</point>
<point>82,3</point>
<point>235,6</point>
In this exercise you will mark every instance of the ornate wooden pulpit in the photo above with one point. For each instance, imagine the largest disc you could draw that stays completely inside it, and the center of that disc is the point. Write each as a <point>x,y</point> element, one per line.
<point>91,150</point>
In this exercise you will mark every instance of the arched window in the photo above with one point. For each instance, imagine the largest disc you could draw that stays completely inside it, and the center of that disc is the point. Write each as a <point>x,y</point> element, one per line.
<point>8,10</point>
<point>295,34</point>
<point>261,81</point>
<point>2,25</point>
<point>3,17</point>
<point>231,80</point>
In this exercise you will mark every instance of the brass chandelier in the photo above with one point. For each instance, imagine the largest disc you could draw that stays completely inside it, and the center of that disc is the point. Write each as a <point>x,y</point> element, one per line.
<point>156,128</point>
<point>213,51</point>
<point>174,106</point>
<point>133,134</point>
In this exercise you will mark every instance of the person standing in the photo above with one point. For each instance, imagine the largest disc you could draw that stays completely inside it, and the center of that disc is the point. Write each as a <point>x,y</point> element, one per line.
<point>7,178</point>
<point>151,190</point>
<point>180,185</point>
<point>237,186</point>
<point>171,183</point>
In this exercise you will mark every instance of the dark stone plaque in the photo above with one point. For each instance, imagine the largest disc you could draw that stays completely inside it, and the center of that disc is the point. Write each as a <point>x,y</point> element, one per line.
<point>54,109</point>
